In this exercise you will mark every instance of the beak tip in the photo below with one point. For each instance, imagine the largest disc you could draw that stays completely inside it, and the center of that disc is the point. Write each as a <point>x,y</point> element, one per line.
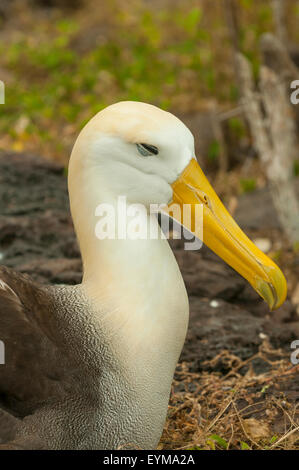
<point>274,291</point>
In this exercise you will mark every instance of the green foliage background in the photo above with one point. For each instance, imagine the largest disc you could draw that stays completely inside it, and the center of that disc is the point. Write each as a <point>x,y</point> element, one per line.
<point>61,68</point>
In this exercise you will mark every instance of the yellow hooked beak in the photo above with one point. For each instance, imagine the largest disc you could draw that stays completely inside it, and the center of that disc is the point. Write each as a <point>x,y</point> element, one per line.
<point>222,235</point>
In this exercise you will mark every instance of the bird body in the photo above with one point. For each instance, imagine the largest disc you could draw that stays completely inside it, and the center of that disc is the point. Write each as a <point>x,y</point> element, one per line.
<point>90,366</point>
<point>117,362</point>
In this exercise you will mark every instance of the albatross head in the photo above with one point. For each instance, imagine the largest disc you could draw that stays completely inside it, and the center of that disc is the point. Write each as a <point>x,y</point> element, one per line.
<point>139,151</point>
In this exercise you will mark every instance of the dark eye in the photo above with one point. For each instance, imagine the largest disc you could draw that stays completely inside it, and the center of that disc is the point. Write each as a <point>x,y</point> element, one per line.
<point>146,150</point>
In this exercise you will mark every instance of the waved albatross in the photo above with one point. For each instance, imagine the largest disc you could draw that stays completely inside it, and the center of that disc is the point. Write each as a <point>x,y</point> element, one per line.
<point>90,366</point>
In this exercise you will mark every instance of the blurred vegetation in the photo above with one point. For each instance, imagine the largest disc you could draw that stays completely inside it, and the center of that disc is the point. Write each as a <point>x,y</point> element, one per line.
<point>62,67</point>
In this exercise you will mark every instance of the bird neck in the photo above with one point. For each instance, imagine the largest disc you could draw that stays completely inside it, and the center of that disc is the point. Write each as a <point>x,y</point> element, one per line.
<point>133,278</point>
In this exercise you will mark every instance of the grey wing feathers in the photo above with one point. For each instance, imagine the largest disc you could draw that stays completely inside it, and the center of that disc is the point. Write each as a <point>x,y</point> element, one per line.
<point>34,367</point>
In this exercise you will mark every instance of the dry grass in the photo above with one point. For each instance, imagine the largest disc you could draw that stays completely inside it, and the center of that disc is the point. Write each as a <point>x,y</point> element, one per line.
<point>234,411</point>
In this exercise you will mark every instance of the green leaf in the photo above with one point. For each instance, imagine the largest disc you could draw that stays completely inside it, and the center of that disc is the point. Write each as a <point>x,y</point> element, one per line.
<point>219,440</point>
<point>211,444</point>
<point>244,446</point>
